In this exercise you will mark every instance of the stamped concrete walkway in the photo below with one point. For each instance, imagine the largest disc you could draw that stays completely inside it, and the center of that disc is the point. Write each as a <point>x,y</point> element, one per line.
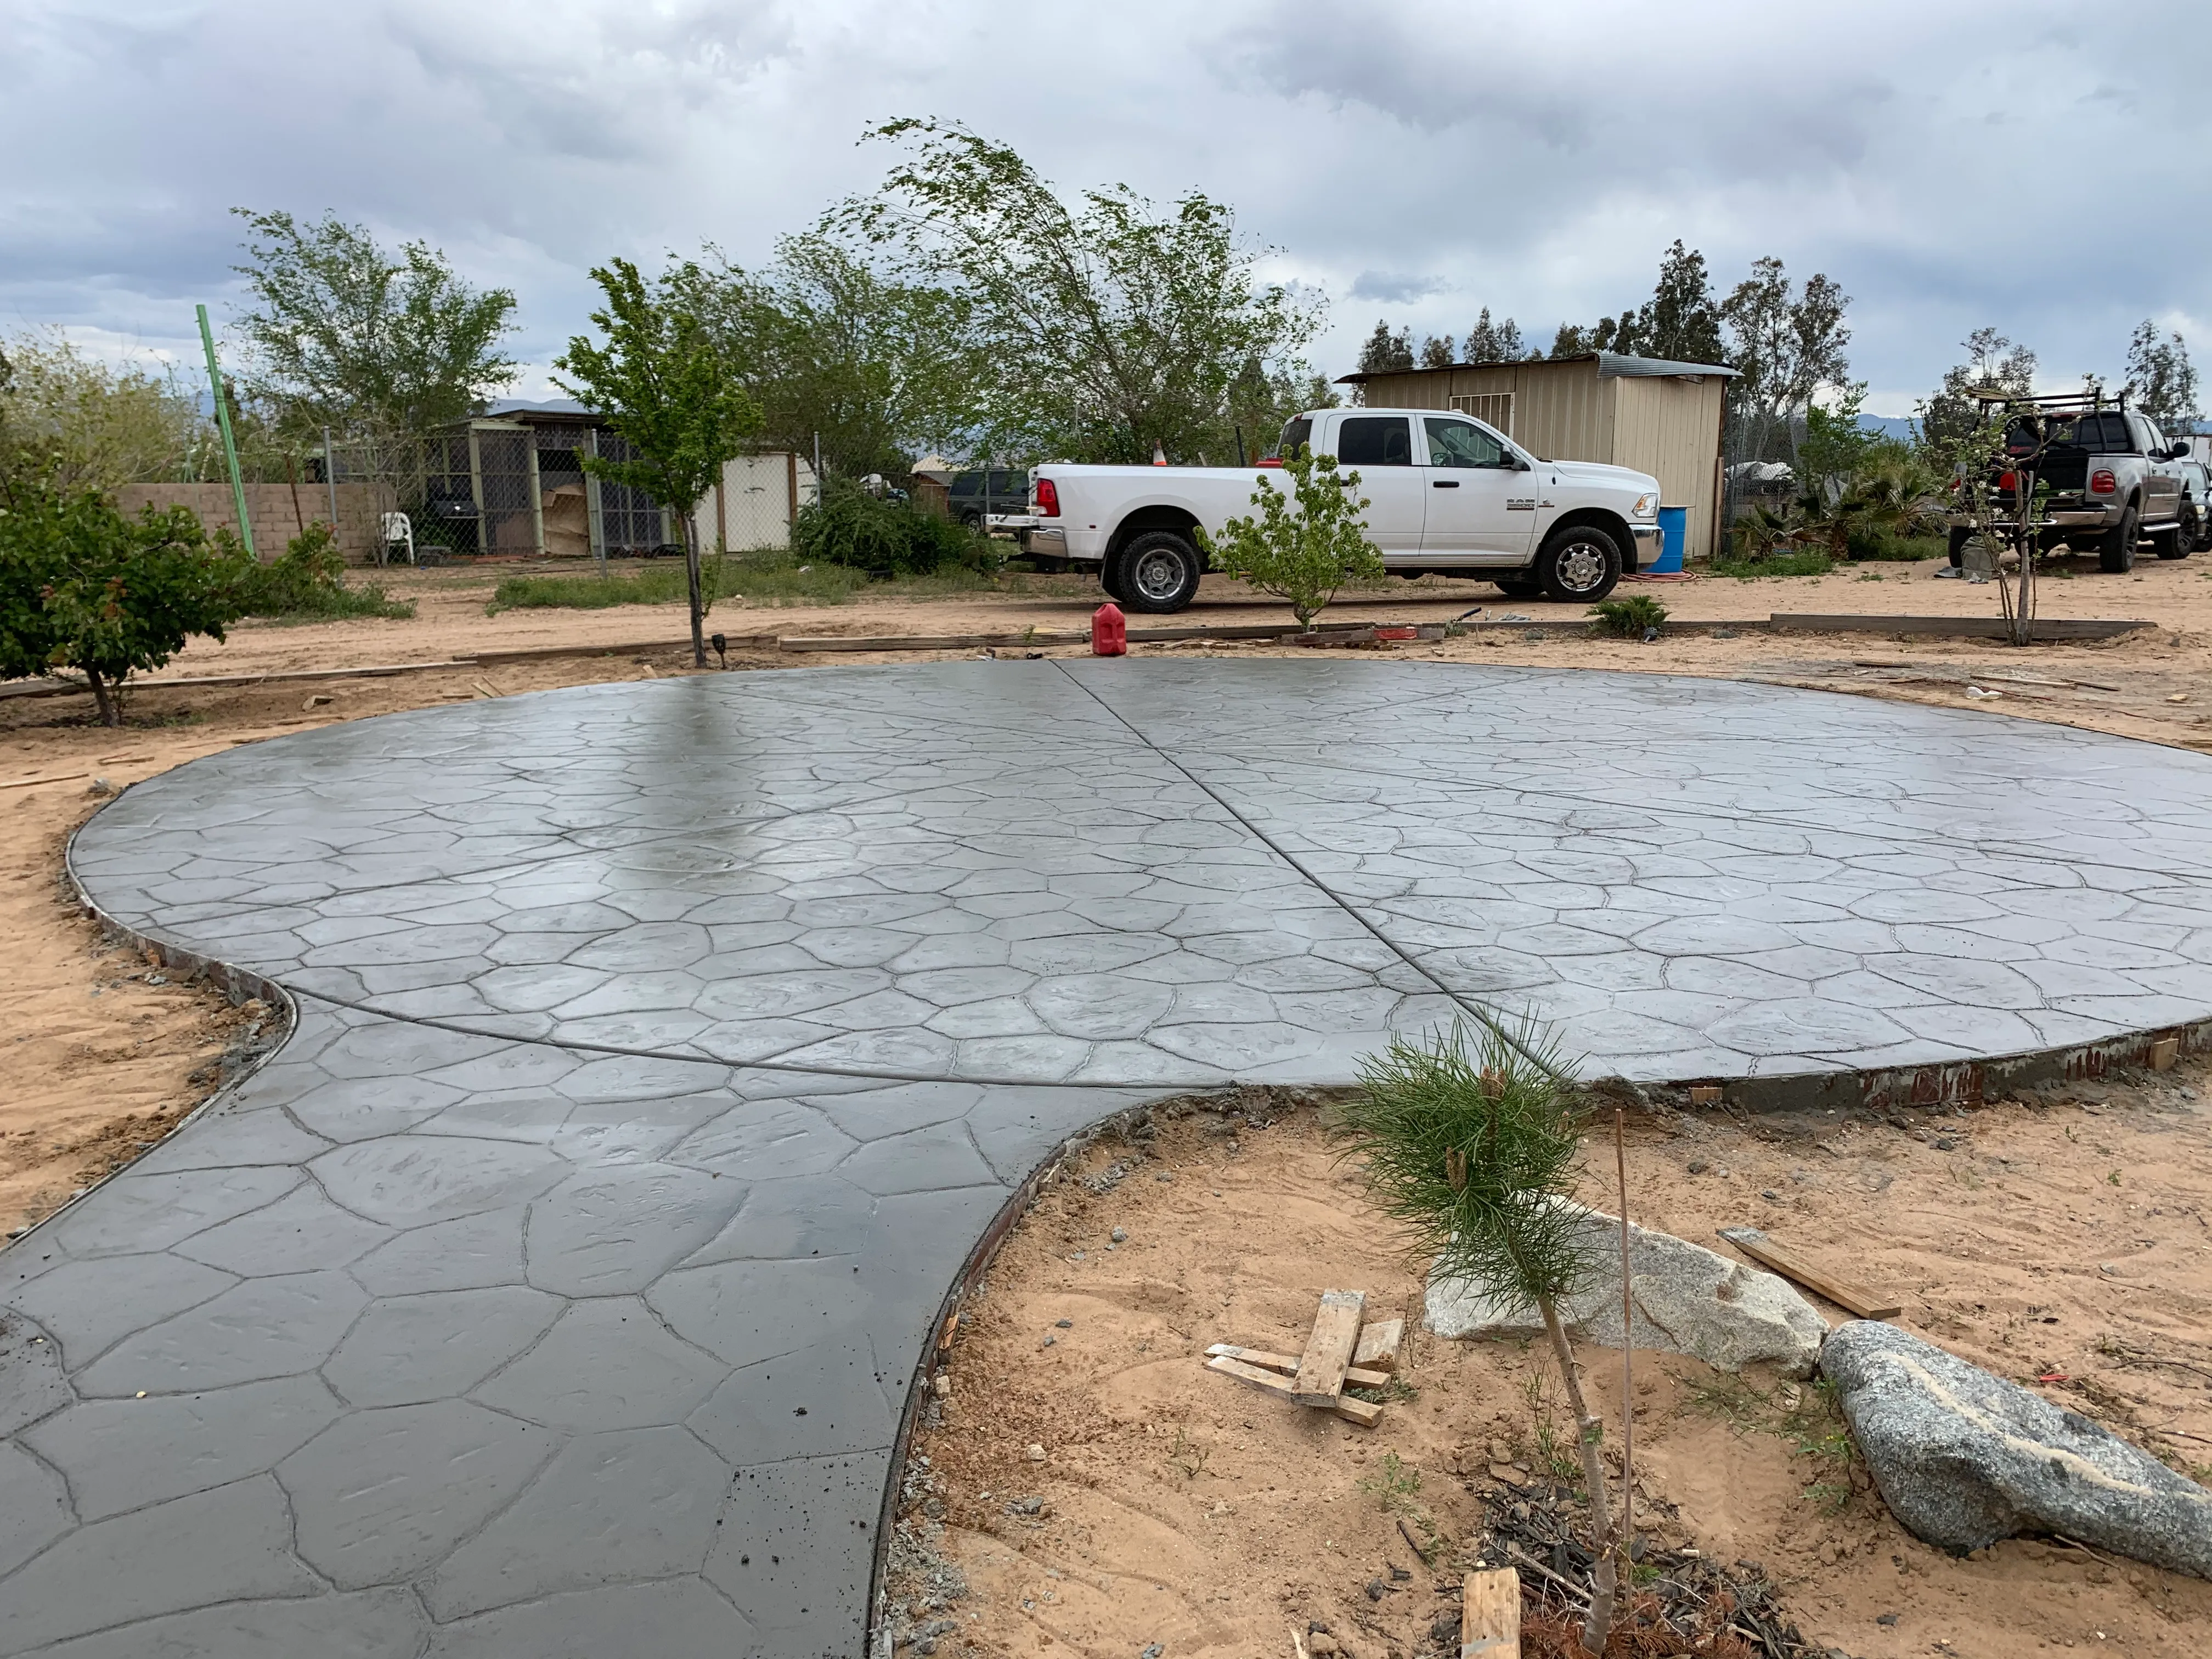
<point>664,1049</point>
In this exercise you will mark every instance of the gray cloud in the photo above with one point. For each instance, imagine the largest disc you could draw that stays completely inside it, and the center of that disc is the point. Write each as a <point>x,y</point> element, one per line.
<point>1542,157</point>
<point>1394,289</point>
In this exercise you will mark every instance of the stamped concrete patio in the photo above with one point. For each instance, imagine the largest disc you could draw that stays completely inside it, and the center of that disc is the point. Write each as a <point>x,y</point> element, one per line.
<point>663,1050</point>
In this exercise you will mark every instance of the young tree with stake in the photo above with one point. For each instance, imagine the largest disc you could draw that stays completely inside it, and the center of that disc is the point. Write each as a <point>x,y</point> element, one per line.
<point>1475,1154</point>
<point>670,392</point>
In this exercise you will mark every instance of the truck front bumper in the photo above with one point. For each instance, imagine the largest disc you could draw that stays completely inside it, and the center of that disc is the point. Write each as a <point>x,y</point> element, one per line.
<point>1649,546</point>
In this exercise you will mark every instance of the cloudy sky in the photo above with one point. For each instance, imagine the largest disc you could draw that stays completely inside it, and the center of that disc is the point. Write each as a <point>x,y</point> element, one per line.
<point>1413,159</point>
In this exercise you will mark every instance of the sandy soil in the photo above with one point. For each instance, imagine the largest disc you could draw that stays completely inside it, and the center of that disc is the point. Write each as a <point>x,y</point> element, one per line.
<point>449,620</point>
<point>2041,1240</point>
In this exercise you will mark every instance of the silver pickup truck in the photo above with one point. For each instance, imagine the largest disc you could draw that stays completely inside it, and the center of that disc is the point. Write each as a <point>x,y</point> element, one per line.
<point>1446,493</point>
<point>2113,480</point>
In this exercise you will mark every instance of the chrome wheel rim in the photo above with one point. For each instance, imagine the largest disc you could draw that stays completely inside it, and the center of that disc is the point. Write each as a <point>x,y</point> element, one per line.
<point>1581,566</point>
<point>1158,575</point>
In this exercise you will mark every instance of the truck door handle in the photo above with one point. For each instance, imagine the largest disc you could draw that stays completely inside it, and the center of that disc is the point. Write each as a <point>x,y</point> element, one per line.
<point>1443,483</point>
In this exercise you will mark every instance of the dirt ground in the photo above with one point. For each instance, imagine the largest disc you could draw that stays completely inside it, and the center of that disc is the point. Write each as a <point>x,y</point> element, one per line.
<point>2020,1222</point>
<point>2060,1241</point>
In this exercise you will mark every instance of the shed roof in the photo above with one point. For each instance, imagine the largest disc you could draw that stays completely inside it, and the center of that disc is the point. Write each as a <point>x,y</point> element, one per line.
<point>1611,365</point>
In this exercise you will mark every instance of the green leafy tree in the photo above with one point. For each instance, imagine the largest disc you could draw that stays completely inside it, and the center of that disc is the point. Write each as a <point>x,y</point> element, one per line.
<point>831,346</point>
<point>1950,423</point>
<point>343,333</point>
<point>1436,351</point>
<point>2161,380</point>
<point>1305,555</point>
<point>1787,344</point>
<point>81,424</point>
<point>1494,343</point>
<point>1385,351</point>
<point>668,389</point>
<point>1099,329</point>
<point>1475,1154</point>
<point>83,587</point>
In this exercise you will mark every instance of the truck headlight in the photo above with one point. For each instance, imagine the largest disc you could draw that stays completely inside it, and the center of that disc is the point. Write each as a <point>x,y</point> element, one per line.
<point>1647,504</point>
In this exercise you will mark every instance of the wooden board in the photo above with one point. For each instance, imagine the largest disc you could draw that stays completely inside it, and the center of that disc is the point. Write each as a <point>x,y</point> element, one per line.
<point>1378,1344</point>
<point>1287,1364</point>
<point>1319,1379</point>
<point>1852,1297</point>
<point>1364,1412</point>
<point>1972,628</point>
<point>1490,1615</point>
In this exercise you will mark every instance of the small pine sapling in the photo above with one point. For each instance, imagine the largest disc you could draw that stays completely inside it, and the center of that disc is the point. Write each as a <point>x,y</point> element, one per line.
<point>1474,1153</point>
<point>1303,555</point>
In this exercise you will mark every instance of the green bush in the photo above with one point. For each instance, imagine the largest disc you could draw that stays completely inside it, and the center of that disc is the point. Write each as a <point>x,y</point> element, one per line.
<point>1885,547</point>
<point>846,526</point>
<point>83,587</point>
<point>1627,617</point>
<point>307,583</point>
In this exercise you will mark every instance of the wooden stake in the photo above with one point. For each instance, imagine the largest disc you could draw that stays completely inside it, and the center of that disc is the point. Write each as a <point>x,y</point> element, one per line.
<point>1627,1350</point>
<point>1490,1615</point>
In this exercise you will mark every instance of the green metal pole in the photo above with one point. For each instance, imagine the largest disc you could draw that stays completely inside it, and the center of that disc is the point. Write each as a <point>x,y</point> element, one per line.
<point>229,443</point>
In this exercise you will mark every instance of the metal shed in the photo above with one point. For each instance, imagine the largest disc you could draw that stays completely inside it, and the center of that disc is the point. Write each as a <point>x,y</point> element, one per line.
<point>1661,418</point>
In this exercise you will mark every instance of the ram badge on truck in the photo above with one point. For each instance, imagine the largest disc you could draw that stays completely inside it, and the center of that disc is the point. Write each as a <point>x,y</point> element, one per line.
<point>1447,494</point>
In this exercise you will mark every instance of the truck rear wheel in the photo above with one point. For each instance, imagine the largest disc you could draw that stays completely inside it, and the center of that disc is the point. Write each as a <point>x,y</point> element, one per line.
<point>1156,573</point>
<point>1579,565</point>
<point>2117,555</point>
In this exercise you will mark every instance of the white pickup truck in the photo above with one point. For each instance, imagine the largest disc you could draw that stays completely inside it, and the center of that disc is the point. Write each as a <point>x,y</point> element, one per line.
<point>1447,494</point>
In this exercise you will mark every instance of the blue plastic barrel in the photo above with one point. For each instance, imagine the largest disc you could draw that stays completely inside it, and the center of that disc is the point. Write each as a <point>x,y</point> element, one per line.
<point>1674,530</point>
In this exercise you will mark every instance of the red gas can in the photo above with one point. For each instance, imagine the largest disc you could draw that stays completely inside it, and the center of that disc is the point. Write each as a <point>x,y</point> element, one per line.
<point>1110,631</point>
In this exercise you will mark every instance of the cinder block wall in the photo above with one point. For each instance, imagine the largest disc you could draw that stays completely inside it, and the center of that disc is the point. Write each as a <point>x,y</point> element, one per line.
<point>270,507</point>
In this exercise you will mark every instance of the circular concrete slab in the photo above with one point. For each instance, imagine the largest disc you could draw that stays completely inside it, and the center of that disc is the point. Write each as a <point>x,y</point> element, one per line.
<point>1179,874</point>
<point>664,1048</point>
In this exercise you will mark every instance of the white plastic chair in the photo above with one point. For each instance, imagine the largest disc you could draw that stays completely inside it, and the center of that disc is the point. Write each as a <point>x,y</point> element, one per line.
<point>398,533</point>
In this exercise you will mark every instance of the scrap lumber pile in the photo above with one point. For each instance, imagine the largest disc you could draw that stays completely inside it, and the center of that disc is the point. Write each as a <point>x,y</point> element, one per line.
<point>1343,1352</point>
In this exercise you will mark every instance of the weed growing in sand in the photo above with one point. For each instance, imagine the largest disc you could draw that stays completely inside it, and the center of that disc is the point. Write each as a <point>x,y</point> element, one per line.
<point>1187,1455</point>
<point>1547,1450</point>
<point>1393,1485</point>
<point>1393,1389</point>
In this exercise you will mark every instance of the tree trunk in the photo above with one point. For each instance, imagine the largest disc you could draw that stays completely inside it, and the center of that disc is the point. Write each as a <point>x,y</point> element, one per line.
<point>1599,1625</point>
<point>691,577</point>
<point>103,697</point>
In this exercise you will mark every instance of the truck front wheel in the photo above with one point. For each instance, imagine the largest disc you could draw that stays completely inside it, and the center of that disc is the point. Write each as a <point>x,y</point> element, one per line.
<point>2179,542</point>
<point>1157,572</point>
<point>2118,556</point>
<point>1579,565</point>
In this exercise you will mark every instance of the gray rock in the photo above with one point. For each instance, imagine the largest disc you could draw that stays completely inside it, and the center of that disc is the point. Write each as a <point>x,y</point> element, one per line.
<point>1964,1458</point>
<point>1687,1300</point>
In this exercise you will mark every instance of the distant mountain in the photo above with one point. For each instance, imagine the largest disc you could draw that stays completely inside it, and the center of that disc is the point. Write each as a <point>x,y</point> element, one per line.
<point>1890,426</point>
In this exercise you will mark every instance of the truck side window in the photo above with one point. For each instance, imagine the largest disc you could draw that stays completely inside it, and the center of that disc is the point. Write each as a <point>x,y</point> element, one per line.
<point>1374,440</point>
<point>1297,434</point>
<point>1462,443</point>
